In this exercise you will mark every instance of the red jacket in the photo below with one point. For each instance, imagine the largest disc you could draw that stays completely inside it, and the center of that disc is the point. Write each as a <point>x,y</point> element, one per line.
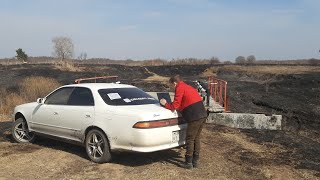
<point>185,95</point>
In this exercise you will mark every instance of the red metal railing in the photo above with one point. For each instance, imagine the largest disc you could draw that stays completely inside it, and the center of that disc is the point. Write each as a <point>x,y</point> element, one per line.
<point>95,78</point>
<point>218,91</point>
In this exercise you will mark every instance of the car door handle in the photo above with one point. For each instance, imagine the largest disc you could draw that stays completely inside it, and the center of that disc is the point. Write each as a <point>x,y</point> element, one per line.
<point>88,116</point>
<point>55,113</point>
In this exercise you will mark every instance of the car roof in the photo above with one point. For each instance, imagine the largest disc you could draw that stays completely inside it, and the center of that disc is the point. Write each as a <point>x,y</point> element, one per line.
<point>100,85</point>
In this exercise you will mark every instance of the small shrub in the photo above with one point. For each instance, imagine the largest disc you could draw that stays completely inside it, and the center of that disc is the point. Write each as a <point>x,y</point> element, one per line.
<point>35,87</point>
<point>3,94</point>
<point>212,71</point>
<point>67,66</point>
<point>31,88</point>
<point>9,102</point>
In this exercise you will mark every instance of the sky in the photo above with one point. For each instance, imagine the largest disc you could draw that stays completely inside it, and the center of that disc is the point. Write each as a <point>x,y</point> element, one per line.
<point>167,29</point>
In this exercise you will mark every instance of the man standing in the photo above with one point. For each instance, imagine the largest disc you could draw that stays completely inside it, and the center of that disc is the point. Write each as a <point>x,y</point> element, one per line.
<point>189,103</point>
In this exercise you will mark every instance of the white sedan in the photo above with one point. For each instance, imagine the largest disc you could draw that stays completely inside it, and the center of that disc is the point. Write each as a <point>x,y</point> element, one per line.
<point>104,117</point>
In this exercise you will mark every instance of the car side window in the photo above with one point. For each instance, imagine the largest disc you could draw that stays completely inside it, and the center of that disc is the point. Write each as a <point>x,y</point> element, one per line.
<point>60,96</point>
<point>81,97</point>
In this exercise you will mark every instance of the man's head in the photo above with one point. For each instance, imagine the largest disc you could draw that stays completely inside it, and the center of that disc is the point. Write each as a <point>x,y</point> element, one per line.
<point>174,80</point>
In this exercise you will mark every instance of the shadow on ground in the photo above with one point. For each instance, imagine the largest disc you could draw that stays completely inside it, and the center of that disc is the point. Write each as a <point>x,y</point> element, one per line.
<point>124,158</point>
<point>138,159</point>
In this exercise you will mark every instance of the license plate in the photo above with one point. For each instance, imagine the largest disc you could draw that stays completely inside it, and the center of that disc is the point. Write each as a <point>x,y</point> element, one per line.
<point>178,136</point>
<point>175,136</point>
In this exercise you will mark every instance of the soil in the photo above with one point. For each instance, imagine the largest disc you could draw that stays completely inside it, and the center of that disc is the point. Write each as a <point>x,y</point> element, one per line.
<point>293,153</point>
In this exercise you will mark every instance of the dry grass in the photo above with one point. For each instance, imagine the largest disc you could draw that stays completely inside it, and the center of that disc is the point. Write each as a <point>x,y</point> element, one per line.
<point>31,88</point>
<point>243,142</point>
<point>8,103</point>
<point>4,118</point>
<point>67,66</point>
<point>35,87</point>
<point>212,71</point>
<point>273,69</point>
<point>156,78</point>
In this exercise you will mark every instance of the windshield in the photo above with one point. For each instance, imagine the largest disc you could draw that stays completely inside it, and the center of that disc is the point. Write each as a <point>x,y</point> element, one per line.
<point>126,96</point>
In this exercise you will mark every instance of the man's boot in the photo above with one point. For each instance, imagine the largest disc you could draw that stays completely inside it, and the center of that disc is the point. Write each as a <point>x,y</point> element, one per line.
<point>188,163</point>
<point>195,160</point>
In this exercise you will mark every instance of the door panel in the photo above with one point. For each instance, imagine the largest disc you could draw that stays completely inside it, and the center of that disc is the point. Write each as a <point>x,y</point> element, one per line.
<point>46,118</point>
<point>74,119</point>
<point>78,113</point>
<point>65,113</point>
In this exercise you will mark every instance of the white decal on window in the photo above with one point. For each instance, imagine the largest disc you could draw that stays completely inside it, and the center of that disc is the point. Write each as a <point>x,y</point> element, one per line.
<point>113,96</point>
<point>141,98</point>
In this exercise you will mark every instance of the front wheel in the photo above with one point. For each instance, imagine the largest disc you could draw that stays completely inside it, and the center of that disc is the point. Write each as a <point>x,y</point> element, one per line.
<point>97,146</point>
<point>20,132</point>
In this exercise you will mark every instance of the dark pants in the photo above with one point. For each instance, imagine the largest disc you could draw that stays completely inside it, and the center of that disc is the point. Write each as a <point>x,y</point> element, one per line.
<point>193,137</point>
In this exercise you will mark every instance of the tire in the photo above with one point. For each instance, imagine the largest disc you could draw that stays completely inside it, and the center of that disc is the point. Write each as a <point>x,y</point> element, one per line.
<point>97,146</point>
<point>20,132</point>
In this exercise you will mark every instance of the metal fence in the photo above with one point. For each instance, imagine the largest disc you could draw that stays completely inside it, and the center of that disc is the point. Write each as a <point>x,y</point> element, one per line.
<point>218,91</point>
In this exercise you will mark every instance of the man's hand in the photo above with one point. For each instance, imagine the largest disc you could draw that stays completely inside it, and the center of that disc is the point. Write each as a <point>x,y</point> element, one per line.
<point>163,102</point>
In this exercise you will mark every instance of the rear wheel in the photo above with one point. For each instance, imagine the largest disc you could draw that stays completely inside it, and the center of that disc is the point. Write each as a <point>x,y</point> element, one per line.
<point>97,146</point>
<point>20,132</point>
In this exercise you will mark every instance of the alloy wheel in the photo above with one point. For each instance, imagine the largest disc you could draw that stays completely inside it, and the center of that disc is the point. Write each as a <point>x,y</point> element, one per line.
<point>95,146</point>
<point>22,133</point>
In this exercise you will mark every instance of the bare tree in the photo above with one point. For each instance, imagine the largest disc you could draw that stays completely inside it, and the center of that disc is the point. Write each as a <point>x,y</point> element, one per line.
<point>251,59</point>
<point>63,47</point>
<point>240,60</point>
<point>83,56</point>
<point>214,60</point>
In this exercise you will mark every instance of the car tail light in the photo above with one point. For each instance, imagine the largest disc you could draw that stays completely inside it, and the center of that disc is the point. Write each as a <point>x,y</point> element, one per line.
<point>156,124</point>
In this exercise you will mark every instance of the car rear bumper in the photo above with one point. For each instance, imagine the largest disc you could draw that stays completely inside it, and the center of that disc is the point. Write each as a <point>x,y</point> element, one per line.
<point>156,139</point>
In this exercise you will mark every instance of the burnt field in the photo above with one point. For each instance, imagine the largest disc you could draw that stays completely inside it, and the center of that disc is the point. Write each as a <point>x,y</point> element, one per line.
<point>295,94</point>
<point>293,153</point>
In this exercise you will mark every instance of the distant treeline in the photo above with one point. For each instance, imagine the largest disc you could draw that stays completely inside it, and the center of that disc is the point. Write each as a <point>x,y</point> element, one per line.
<point>159,62</point>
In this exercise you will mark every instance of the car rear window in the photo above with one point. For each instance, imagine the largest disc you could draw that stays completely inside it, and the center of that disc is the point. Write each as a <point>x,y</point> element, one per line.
<point>126,96</point>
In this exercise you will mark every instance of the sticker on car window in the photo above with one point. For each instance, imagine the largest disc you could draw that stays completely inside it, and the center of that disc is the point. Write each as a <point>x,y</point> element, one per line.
<point>113,96</point>
<point>126,100</point>
<point>142,98</point>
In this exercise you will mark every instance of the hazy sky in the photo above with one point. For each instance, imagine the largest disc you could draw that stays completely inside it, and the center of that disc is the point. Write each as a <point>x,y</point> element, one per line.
<point>143,29</point>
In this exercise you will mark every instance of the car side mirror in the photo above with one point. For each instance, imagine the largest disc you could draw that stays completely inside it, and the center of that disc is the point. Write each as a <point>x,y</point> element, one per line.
<point>40,100</point>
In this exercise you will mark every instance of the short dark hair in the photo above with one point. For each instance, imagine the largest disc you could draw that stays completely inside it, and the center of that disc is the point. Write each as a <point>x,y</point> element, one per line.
<point>175,79</point>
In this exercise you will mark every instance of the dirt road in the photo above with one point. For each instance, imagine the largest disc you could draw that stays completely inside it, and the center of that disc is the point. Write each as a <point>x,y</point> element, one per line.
<point>226,154</point>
